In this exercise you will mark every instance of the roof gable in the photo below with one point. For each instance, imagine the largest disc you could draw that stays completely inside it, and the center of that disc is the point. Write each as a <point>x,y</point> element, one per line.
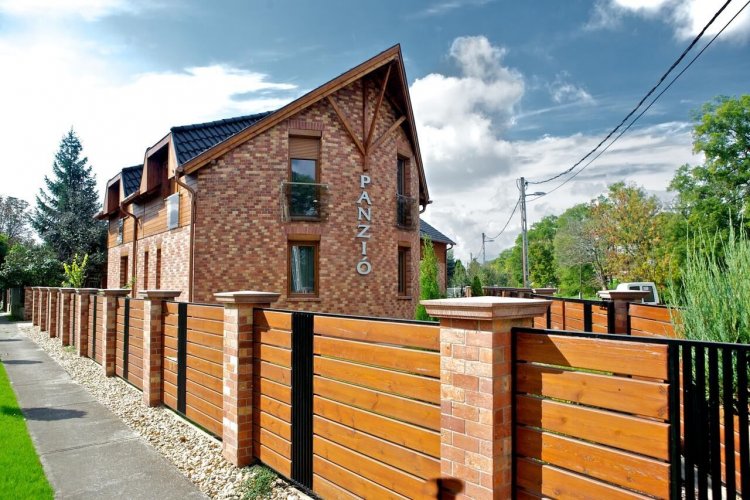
<point>427,231</point>
<point>131,180</point>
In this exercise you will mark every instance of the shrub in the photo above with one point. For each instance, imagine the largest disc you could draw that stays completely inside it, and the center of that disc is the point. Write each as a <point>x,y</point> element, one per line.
<point>428,279</point>
<point>476,287</point>
<point>75,272</point>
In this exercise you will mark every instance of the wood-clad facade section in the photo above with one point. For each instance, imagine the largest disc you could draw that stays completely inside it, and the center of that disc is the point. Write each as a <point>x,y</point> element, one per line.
<point>592,417</point>
<point>376,413</point>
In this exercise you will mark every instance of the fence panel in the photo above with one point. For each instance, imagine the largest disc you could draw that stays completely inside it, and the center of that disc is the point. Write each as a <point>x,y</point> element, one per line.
<point>204,369</point>
<point>272,389</point>
<point>651,321</point>
<point>576,315</point>
<point>591,416</point>
<point>169,364</point>
<point>376,412</point>
<point>129,341</point>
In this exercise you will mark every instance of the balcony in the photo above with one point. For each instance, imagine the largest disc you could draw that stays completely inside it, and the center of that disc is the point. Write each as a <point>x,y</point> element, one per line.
<point>407,211</point>
<point>303,201</point>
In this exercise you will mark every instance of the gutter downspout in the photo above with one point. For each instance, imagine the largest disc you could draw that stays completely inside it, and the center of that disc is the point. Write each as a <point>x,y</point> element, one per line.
<point>191,257</point>
<point>133,275</point>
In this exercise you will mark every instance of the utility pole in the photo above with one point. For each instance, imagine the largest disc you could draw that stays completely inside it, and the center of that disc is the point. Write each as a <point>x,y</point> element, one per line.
<point>525,253</point>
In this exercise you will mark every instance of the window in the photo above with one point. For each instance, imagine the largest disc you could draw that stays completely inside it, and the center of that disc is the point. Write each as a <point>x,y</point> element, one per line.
<point>401,177</point>
<point>405,204</point>
<point>145,270</point>
<point>303,268</point>
<point>173,211</point>
<point>123,271</point>
<point>120,226</point>
<point>303,193</point>
<point>157,283</point>
<point>404,268</point>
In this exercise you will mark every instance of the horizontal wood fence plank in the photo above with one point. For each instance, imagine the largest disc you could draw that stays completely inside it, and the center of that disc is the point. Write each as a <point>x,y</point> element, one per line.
<point>205,325</point>
<point>278,338</point>
<point>402,458</point>
<point>274,372</point>
<point>404,384</point>
<point>215,313</point>
<point>650,312</point>
<point>266,438</point>
<point>407,435</point>
<point>272,424</point>
<point>212,397</point>
<point>613,393</point>
<point>625,358</point>
<point>205,339</point>
<point>272,406</point>
<point>624,469</point>
<point>326,489</point>
<point>407,410</point>
<point>397,358</point>
<point>650,326</point>
<point>275,355</point>
<point>272,319</point>
<point>273,389</point>
<point>358,485</point>
<point>385,332</point>
<point>209,354</point>
<point>647,437</point>
<point>272,459</point>
<point>563,485</point>
<point>377,472</point>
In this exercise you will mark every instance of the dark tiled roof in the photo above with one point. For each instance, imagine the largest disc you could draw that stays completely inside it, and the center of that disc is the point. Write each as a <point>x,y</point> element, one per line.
<point>191,140</point>
<point>131,179</point>
<point>426,230</point>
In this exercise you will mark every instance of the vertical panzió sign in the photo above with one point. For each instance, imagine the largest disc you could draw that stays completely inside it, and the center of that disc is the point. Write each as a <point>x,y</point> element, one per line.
<point>364,218</point>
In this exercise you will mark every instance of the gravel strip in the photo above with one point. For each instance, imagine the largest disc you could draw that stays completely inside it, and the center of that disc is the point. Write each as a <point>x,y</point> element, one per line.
<point>196,454</point>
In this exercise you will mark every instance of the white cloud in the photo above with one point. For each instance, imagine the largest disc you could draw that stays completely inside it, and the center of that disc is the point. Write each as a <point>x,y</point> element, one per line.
<point>446,6</point>
<point>89,10</point>
<point>61,82</point>
<point>471,167</point>
<point>687,17</point>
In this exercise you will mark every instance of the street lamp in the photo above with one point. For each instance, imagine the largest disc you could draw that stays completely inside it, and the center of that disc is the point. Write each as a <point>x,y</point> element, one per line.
<point>525,239</point>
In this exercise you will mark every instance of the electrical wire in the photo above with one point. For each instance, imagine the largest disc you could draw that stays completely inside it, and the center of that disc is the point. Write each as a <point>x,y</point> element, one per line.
<point>640,103</point>
<point>508,221</point>
<point>647,107</point>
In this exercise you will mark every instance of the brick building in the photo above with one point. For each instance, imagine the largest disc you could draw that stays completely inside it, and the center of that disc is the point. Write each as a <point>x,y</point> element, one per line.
<point>318,200</point>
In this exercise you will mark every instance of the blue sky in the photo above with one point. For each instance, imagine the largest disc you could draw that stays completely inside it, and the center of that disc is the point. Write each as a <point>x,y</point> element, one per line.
<point>500,89</point>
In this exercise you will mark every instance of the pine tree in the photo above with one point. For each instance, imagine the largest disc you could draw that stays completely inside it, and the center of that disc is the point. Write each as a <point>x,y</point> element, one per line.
<point>64,215</point>
<point>428,278</point>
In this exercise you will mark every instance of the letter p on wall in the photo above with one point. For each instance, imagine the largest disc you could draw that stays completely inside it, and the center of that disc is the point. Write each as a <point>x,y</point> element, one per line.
<point>364,180</point>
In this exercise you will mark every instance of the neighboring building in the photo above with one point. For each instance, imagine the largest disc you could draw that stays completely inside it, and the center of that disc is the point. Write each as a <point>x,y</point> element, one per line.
<point>441,243</point>
<point>318,201</point>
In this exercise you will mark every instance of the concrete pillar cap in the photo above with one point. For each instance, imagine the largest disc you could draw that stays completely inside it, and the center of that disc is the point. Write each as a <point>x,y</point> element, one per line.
<point>486,308</point>
<point>87,291</point>
<point>67,290</point>
<point>626,295</point>
<point>159,294</point>
<point>115,292</point>
<point>545,291</point>
<point>246,297</point>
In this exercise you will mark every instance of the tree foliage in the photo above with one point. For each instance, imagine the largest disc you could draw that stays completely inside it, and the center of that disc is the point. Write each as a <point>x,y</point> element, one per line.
<point>30,265</point>
<point>429,287</point>
<point>711,195</point>
<point>75,272</point>
<point>14,220</point>
<point>65,210</point>
<point>476,286</point>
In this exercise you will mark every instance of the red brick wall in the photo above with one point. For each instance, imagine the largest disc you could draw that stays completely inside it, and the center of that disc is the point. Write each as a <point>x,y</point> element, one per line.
<point>241,241</point>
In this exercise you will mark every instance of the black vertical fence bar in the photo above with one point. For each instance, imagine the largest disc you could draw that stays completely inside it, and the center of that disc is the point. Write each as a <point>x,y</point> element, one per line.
<point>727,376</point>
<point>611,317</point>
<point>673,359</point>
<point>588,323</point>
<point>713,419</point>
<point>92,354</point>
<point>699,418</point>
<point>549,316</point>
<point>126,339</point>
<point>302,398</point>
<point>181,356</point>
<point>687,398</point>
<point>742,369</point>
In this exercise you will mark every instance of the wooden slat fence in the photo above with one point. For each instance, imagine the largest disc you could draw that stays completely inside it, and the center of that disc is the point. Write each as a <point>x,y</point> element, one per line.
<point>204,358</point>
<point>96,310</point>
<point>576,315</point>
<point>591,417</point>
<point>129,341</point>
<point>272,389</point>
<point>651,321</point>
<point>169,365</point>
<point>376,408</point>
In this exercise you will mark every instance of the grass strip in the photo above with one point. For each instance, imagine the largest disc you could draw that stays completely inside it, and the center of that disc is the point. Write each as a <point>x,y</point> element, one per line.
<point>21,473</point>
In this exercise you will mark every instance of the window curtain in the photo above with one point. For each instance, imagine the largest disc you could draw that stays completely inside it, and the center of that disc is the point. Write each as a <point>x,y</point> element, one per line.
<point>303,269</point>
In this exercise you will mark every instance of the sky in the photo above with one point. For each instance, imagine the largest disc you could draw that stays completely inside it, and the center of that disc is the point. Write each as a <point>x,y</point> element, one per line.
<point>501,89</point>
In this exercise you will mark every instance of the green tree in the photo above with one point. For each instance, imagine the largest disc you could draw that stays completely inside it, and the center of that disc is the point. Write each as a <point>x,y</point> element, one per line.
<point>428,278</point>
<point>476,287</point>
<point>65,210</point>
<point>579,255</point>
<point>542,268</point>
<point>75,272</point>
<point>34,265</point>
<point>450,265</point>
<point>460,278</point>
<point>711,195</point>
<point>14,219</point>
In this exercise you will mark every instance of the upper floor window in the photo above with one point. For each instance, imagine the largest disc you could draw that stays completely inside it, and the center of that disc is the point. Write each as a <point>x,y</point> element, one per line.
<point>406,206</point>
<point>303,191</point>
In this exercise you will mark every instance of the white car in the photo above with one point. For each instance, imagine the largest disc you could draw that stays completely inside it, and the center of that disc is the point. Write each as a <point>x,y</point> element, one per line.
<point>645,286</point>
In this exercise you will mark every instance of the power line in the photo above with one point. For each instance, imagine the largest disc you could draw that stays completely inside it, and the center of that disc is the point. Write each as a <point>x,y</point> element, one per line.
<point>649,105</point>
<point>640,103</point>
<point>508,221</point>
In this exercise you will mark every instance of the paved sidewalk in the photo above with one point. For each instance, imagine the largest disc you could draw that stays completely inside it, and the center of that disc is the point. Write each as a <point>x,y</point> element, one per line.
<point>86,450</point>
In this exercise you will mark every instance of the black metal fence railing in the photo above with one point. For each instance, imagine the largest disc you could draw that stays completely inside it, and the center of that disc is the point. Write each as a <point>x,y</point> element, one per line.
<point>406,211</point>
<point>588,310</point>
<point>708,414</point>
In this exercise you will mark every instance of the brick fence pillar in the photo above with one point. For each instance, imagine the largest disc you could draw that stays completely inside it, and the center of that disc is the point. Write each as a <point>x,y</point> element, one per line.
<point>153,342</point>
<point>65,325</point>
<point>52,299</point>
<point>28,303</point>
<point>622,298</point>
<point>43,308</point>
<point>83,322</point>
<point>475,384</point>
<point>34,305</point>
<point>237,431</point>
<point>109,327</point>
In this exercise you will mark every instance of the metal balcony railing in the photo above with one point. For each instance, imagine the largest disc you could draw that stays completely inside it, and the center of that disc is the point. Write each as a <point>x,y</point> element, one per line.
<point>407,211</point>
